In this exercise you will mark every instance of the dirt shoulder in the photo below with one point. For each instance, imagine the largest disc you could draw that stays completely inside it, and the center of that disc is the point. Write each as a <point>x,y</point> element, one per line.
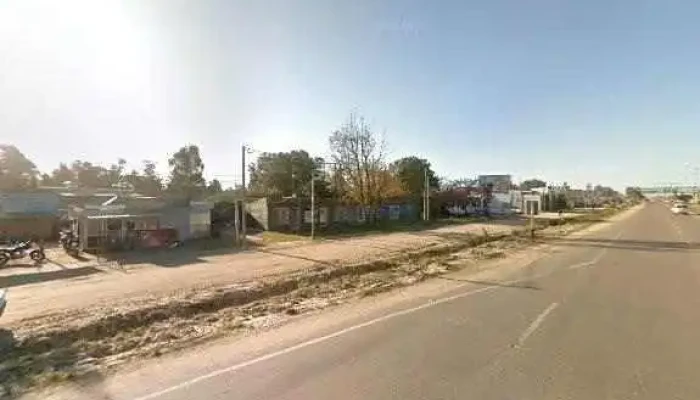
<point>74,343</point>
<point>61,285</point>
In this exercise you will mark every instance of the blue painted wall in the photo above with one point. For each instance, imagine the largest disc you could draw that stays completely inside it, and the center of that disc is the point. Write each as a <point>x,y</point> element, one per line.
<point>29,203</point>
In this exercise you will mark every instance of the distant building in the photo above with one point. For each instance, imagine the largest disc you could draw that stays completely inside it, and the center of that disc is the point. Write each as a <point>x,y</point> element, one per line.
<point>499,183</point>
<point>531,202</point>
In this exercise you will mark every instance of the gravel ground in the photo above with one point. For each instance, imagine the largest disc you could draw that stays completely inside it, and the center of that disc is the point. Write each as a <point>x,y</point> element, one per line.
<point>67,284</point>
<point>72,343</point>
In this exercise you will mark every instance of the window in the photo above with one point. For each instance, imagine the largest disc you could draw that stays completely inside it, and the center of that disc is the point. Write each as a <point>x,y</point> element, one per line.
<point>114,225</point>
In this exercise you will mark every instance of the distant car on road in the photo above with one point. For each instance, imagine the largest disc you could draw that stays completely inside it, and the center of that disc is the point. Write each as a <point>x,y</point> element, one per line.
<point>680,208</point>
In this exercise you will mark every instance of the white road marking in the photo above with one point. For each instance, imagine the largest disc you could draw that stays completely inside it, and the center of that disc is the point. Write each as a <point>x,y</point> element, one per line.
<point>536,323</point>
<point>314,341</point>
<point>321,339</point>
<point>583,264</point>
<point>600,256</point>
<point>594,261</point>
<point>325,338</point>
<point>597,258</point>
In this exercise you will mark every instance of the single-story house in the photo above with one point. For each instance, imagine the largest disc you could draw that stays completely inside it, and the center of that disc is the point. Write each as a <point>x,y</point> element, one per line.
<point>138,221</point>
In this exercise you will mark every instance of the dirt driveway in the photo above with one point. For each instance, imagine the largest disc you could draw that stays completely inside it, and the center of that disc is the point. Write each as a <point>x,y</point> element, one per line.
<point>60,285</point>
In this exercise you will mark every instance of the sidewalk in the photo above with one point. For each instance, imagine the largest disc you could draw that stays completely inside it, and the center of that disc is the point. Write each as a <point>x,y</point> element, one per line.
<point>74,287</point>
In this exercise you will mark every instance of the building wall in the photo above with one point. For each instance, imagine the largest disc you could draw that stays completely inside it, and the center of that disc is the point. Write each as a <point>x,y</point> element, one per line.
<point>260,211</point>
<point>470,201</point>
<point>189,222</point>
<point>29,203</point>
<point>40,227</point>
<point>291,217</point>
<point>29,214</point>
<point>200,224</point>
<point>501,183</point>
<point>536,204</point>
<point>501,204</point>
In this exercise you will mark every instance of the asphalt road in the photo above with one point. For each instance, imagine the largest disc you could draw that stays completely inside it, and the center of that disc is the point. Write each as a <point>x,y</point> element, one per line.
<point>612,315</point>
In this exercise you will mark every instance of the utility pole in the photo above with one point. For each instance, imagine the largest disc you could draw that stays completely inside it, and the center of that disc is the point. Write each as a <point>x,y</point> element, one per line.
<point>423,210</point>
<point>244,241</point>
<point>319,172</point>
<point>313,206</point>
<point>532,220</point>
<point>694,176</point>
<point>426,197</point>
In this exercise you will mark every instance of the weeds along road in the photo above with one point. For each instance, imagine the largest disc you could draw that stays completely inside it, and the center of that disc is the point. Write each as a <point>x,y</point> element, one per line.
<point>608,315</point>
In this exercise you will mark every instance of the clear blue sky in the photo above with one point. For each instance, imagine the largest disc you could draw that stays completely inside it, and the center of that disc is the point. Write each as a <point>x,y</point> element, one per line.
<point>579,91</point>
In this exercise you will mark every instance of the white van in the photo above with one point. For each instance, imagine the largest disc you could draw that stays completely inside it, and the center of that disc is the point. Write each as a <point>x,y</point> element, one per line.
<point>680,208</point>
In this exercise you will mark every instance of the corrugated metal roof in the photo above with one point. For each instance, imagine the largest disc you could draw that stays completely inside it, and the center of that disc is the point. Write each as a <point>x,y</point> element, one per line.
<point>121,216</point>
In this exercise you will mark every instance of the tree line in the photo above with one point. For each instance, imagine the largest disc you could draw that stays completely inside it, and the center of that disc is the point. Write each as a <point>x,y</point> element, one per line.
<point>357,170</point>
<point>17,172</point>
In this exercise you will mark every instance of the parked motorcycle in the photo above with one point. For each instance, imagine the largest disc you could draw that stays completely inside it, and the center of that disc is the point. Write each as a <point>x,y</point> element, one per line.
<point>21,250</point>
<point>69,242</point>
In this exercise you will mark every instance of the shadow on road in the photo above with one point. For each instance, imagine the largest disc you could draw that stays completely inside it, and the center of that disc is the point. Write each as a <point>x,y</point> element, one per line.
<point>186,255</point>
<point>79,257</point>
<point>17,265</point>
<point>637,245</point>
<point>38,277</point>
<point>491,283</point>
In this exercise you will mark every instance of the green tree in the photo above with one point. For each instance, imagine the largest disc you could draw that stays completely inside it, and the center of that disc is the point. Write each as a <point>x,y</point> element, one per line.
<point>46,180</point>
<point>634,193</point>
<point>215,187</point>
<point>151,182</point>
<point>16,170</point>
<point>534,183</point>
<point>410,172</point>
<point>61,175</point>
<point>115,173</point>
<point>186,173</point>
<point>457,183</point>
<point>286,174</point>
<point>147,182</point>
